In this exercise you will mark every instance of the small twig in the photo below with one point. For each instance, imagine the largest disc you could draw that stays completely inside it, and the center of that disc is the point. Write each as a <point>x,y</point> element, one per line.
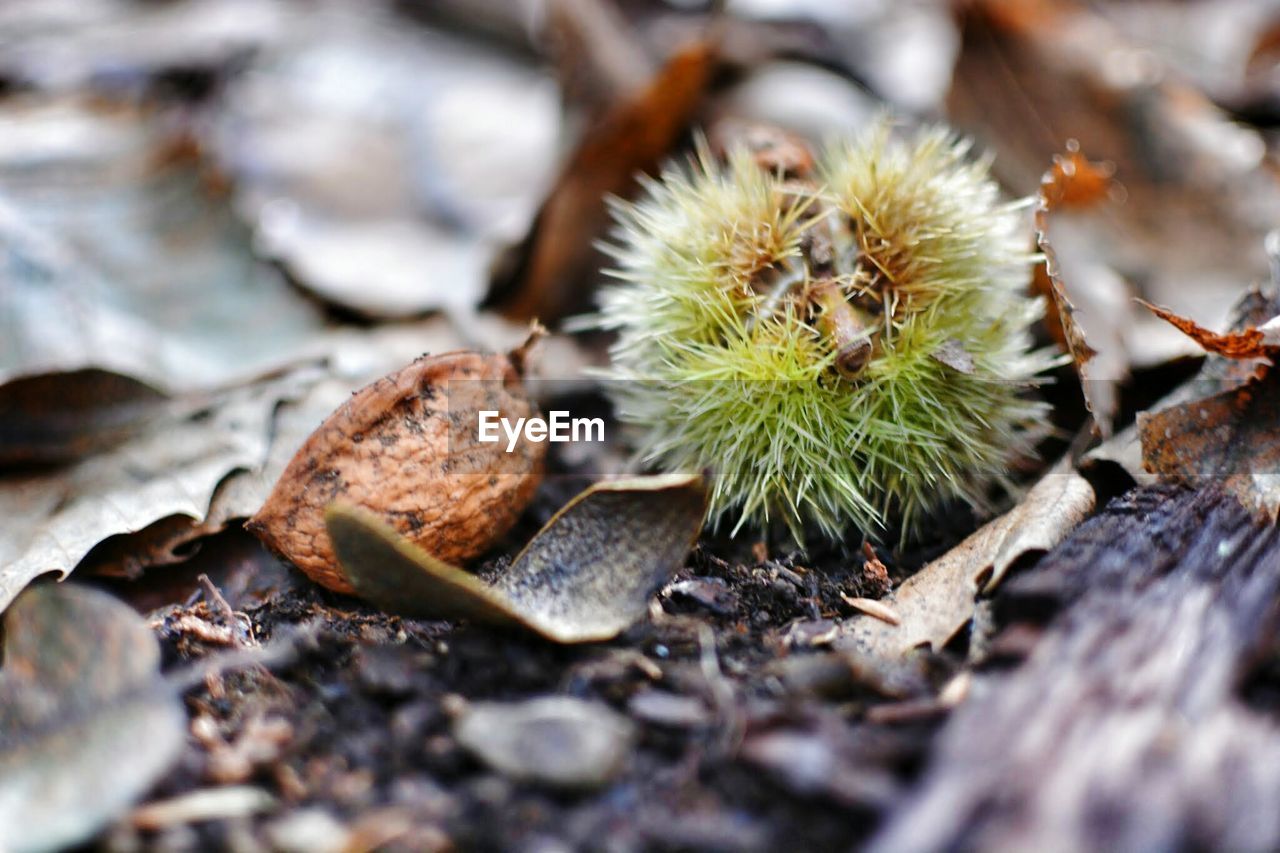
<point>214,596</point>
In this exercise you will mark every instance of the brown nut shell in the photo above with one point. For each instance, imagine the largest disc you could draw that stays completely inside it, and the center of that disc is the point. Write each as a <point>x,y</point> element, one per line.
<point>405,447</point>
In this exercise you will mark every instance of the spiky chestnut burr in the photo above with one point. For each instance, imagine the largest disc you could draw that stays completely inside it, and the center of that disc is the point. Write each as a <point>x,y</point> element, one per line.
<point>843,343</point>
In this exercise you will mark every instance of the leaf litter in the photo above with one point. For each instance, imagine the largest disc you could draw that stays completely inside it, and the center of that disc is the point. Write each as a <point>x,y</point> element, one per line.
<point>931,606</point>
<point>384,757</point>
<point>120,257</point>
<point>457,144</point>
<point>172,466</point>
<point>1073,182</point>
<point>1195,195</point>
<point>1231,438</point>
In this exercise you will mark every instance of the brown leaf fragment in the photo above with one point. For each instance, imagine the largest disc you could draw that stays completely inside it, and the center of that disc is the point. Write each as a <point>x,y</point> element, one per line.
<point>1218,375</point>
<point>936,602</point>
<point>1230,439</point>
<point>86,724</point>
<point>586,576</point>
<point>1249,342</point>
<point>1073,181</point>
<point>407,448</point>
<point>632,137</point>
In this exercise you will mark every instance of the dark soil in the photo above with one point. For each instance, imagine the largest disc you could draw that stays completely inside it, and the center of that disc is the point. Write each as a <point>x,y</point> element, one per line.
<point>755,734</point>
<point>358,722</point>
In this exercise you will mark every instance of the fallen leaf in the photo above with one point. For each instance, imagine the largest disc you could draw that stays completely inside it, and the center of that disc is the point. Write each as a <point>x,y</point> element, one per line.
<point>456,143</point>
<point>586,576</point>
<point>1230,440</point>
<point>937,601</point>
<point>554,740</point>
<point>86,724</point>
<point>119,257</point>
<point>1073,181</point>
<point>171,468</point>
<point>134,46</point>
<point>407,448</point>
<point>1251,342</point>
<point>1218,375</point>
<point>632,137</point>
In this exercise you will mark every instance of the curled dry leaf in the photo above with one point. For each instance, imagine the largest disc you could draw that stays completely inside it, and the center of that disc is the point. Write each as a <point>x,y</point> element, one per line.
<point>86,724</point>
<point>1250,342</point>
<point>936,602</point>
<point>406,448</point>
<point>586,576</point>
<point>1230,438</point>
<point>52,418</point>
<point>1072,181</point>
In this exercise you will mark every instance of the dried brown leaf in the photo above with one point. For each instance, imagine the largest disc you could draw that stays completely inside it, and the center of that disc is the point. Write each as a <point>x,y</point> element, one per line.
<point>586,576</point>
<point>1230,440</point>
<point>632,137</point>
<point>60,417</point>
<point>1073,181</point>
<point>936,602</point>
<point>1250,342</point>
<point>164,476</point>
<point>86,725</point>
<point>406,448</point>
<point>1219,374</point>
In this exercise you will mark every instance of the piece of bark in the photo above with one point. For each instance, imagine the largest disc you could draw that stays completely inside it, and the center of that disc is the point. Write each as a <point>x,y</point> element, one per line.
<point>1126,728</point>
